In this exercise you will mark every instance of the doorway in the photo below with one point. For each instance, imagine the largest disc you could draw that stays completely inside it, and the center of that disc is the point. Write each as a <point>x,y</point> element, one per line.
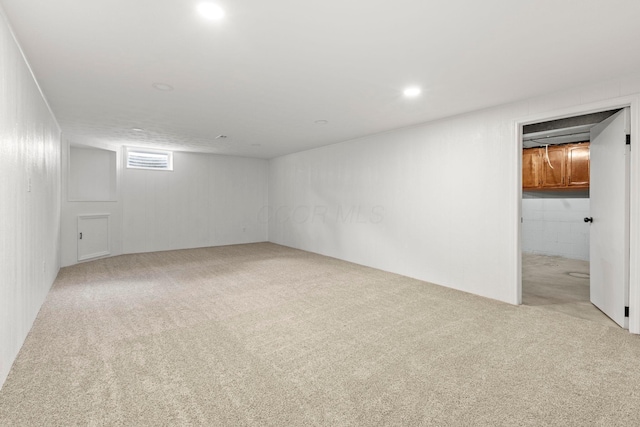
<point>558,235</point>
<point>559,284</point>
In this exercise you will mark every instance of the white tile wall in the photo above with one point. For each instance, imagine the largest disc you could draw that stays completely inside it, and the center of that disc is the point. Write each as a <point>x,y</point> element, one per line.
<point>553,224</point>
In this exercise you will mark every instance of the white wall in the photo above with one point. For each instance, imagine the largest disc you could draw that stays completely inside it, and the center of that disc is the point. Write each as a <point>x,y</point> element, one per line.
<point>447,191</point>
<point>553,224</point>
<point>92,174</point>
<point>207,200</point>
<point>95,190</point>
<point>29,213</point>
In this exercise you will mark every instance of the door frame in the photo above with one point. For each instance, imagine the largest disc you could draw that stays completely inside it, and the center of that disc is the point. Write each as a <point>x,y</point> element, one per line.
<point>632,101</point>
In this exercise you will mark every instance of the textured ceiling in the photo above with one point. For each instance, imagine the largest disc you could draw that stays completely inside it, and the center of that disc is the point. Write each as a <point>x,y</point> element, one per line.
<point>270,69</point>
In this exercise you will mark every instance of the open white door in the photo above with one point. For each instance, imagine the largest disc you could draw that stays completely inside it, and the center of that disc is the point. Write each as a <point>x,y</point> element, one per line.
<point>610,219</point>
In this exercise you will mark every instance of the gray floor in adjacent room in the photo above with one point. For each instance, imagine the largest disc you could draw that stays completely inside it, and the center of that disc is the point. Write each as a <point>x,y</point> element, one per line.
<point>264,335</point>
<point>559,284</point>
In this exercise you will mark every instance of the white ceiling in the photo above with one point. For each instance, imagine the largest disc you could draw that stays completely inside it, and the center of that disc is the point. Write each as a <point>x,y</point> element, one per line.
<point>270,69</point>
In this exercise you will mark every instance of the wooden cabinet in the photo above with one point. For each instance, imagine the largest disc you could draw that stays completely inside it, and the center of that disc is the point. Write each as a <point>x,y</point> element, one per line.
<point>554,159</point>
<point>578,165</point>
<point>531,167</point>
<point>556,167</point>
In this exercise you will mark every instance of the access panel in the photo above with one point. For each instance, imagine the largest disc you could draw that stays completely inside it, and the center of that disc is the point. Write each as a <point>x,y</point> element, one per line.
<point>93,236</point>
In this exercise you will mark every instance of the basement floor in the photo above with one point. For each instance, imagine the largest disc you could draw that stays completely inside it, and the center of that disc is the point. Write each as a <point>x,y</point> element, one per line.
<point>561,285</point>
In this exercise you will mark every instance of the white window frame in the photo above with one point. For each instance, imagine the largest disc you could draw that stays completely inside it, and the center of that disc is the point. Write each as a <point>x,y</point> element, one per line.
<point>149,151</point>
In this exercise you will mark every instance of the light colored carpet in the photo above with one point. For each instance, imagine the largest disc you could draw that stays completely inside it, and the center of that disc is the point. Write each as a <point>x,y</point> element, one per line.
<point>263,335</point>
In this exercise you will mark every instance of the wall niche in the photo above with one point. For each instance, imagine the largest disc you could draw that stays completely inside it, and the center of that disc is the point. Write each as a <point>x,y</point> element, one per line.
<point>92,174</point>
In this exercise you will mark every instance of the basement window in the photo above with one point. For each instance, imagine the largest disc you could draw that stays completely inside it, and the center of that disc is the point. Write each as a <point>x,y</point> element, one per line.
<point>149,159</point>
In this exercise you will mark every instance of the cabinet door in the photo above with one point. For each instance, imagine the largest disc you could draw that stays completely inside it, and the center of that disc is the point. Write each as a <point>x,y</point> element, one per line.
<point>531,158</point>
<point>553,166</point>
<point>578,165</point>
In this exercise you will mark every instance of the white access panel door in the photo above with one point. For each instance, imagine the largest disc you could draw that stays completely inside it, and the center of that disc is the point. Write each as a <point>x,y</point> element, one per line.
<point>93,236</point>
<point>609,235</point>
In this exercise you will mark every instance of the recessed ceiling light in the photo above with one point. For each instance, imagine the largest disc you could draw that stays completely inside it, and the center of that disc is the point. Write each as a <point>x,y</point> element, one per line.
<point>162,87</point>
<point>321,122</point>
<point>210,11</point>
<point>412,92</point>
<point>137,129</point>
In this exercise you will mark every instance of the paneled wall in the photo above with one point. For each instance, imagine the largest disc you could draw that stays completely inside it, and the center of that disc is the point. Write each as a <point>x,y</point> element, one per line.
<point>82,195</point>
<point>438,201</point>
<point>207,200</point>
<point>29,198</point>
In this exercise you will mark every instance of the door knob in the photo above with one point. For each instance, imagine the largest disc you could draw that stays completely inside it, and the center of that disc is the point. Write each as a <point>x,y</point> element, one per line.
<point>588,219</point>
